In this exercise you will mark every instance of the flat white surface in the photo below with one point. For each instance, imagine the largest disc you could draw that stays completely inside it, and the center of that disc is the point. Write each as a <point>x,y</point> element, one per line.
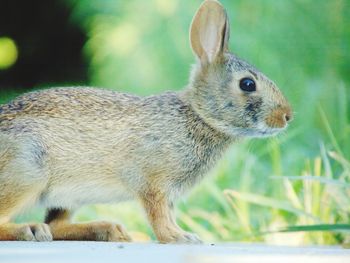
<point>67,251</point>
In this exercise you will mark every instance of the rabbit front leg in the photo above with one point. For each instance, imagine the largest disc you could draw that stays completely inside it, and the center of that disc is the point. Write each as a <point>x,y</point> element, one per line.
<point>160,215</point>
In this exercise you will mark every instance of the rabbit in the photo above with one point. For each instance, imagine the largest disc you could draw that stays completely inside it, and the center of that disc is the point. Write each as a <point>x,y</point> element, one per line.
<point>63,148</point>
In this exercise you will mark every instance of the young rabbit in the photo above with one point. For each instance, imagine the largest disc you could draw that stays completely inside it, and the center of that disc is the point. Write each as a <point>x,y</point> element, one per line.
<point>67,147</point>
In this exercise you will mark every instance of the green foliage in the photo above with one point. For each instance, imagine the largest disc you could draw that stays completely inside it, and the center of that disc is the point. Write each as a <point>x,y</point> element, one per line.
<point>296,182</point>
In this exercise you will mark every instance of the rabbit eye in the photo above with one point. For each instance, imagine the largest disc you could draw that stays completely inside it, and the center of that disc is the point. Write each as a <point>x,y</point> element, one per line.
<point>247,84</point>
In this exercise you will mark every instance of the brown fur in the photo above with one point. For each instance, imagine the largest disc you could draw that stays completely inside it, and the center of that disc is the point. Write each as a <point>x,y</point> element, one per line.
<point>95,231</point>
<point>67,147</point>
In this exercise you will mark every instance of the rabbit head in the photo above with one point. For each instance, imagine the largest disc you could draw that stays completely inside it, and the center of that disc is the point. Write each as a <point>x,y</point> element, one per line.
<point>227,92</point>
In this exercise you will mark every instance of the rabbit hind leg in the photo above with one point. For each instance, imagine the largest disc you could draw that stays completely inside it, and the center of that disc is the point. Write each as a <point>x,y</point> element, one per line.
<point>62,229</point>
<point>20,187</point>
<point>13,200</point>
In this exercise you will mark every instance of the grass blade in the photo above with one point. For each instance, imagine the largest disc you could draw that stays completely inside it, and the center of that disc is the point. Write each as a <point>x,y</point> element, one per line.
<point>314,178</point>
<point>268,202</point>
<point>320,227</point>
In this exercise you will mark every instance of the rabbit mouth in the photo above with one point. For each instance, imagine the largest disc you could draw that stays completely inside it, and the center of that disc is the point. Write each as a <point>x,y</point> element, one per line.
<point>262,130</point>
<point>265,130</point>
<point>270,132</point>
<point>262,133</point>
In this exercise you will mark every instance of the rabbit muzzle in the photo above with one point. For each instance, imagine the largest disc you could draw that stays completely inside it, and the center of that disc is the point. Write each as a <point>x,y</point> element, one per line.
<point>279,117</point>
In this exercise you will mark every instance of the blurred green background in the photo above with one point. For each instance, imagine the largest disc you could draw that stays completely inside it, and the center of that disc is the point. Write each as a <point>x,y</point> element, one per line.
<point>293,189</point>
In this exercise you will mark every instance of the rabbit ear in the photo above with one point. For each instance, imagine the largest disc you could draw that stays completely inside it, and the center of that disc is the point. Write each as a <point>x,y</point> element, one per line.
<point>209,33</point>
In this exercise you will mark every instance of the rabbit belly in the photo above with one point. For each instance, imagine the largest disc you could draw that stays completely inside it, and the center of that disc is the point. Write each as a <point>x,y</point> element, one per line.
<point>75,194</point>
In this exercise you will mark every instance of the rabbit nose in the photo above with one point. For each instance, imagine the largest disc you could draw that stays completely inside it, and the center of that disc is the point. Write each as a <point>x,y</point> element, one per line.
<point>288,116</point>
<point>279,117</point>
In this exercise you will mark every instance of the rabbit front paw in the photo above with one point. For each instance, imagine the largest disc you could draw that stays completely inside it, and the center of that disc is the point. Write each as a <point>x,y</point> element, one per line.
<point>181,238</point>
<point>190,238</point>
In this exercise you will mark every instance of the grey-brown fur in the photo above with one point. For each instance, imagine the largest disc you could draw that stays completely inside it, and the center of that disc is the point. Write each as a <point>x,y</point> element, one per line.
<point>188,145</point>
<point>67,147</point>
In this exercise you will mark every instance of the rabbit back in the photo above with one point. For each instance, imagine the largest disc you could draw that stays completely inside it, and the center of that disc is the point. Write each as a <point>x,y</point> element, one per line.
<point>105,146</point>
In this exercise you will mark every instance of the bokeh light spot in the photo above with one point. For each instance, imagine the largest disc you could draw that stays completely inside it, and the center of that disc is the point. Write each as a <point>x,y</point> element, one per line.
<point>124,38</point>
<point>8,52</point>
<point>166,7</point>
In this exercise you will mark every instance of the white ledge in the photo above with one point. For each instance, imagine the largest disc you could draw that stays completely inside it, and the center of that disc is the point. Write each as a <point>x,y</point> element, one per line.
<point>102,252</point>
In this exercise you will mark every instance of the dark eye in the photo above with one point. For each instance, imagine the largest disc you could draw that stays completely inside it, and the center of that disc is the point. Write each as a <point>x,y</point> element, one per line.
<point>247,84</point>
